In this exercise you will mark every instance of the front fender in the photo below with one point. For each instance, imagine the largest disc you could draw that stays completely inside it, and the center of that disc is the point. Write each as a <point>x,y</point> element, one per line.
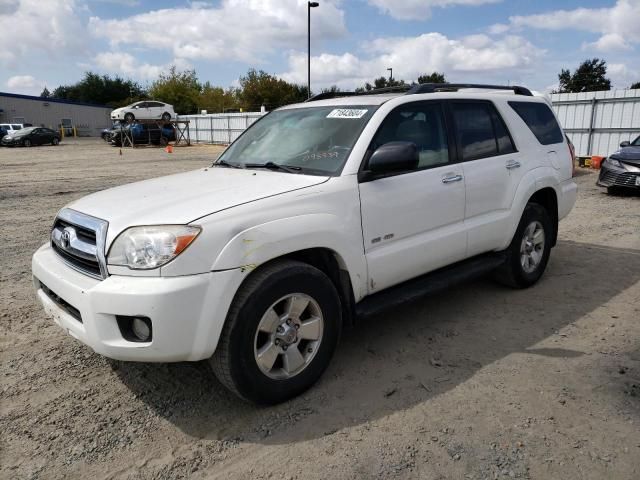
<point>262,243</point>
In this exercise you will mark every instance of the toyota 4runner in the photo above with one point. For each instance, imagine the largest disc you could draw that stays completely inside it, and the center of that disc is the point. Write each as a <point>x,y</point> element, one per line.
<point>319,213</point>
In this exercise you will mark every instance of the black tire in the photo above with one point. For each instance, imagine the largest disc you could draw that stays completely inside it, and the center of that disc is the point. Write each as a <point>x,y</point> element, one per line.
<point>164,141</point>
<point>512,273</point>
<point>26,142</point>
<point>166,116</point>
<point>129,117</point>
<point>55,141</point>
<point>234,362</point>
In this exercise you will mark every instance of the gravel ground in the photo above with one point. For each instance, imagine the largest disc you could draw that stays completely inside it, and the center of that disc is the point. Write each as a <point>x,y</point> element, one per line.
<point>479,382</point>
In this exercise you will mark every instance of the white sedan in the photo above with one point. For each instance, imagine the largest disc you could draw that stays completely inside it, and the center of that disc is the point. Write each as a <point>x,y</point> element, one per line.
<point>145,110</point>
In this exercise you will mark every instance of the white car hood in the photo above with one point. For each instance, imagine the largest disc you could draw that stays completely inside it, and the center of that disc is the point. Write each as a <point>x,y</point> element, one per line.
<point>185,197</point>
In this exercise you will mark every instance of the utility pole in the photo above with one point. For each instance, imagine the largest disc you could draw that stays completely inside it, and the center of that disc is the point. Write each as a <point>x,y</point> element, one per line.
<point>310,5</point>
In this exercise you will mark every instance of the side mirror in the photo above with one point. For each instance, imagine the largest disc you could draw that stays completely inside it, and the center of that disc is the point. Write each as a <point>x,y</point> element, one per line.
<point>137,106</point>
<point>626,143</point>
<point>394,157</point>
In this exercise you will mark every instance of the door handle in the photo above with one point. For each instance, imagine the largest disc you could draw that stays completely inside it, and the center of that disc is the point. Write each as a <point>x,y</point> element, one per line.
<point>511,164</point>
<point>452,178</point>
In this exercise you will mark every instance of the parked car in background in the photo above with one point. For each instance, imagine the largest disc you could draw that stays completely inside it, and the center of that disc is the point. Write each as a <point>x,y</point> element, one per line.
<point>622,168</point>
<point>145,110</point>
<point>142,133</point>
<point>30,136</point>
<point>3,132</point>
<point>11,128</point>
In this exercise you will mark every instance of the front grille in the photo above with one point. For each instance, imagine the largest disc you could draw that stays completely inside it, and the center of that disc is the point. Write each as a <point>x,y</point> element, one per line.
<point>623,179</point>
<point>79,240</point>
<point>62,303</point>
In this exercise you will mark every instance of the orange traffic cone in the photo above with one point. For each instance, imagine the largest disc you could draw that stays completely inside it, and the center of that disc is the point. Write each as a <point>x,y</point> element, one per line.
<point>169,149</point>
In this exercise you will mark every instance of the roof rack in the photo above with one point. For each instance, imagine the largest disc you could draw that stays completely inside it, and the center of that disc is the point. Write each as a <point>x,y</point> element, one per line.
<point>422,88</point>
<point>454,87</point>
<point>375,91</point>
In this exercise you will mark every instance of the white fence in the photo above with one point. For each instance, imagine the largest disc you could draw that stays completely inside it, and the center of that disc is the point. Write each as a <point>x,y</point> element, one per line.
<point>220,128</point>
<point>596,122</point>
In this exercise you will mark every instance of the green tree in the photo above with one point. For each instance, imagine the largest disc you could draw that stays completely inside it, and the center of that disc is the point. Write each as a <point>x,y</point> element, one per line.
<point>635,85</point>
<point>101,89</point>
<point>590,76</point>
<point>180,89</point>
<point>258,88</point>
<point>45,93</point>
<point>380,82</point>
<point>434,77</point>
<point>216,99</point>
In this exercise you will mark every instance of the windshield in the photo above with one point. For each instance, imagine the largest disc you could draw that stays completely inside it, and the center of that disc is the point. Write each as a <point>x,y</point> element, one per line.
<point>26,130</point>
<point>636,142</point>
<point>315,140</point>
<point>17,127</point>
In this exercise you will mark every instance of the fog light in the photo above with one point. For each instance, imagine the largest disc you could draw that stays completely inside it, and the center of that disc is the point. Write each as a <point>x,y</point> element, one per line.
<point>141,329</point>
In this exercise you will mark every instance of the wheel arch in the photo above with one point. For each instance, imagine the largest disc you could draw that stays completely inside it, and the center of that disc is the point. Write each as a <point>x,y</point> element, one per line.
<point>331,264</point>
<point>548,199</point>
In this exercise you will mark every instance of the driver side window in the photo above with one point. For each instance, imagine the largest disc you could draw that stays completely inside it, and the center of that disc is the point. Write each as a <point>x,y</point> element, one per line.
<point>421,123</point>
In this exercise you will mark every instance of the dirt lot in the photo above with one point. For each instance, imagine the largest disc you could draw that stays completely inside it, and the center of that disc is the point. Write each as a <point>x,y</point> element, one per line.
<point>478,382</point>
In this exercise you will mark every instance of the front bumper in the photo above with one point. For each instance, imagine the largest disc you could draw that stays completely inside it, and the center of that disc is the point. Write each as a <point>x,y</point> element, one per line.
<point>618,177</point>
<point>187,313</point>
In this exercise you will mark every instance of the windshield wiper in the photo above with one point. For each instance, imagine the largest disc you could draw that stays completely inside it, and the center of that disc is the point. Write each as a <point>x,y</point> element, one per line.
<point>224,163</point>
<point>274,166</point>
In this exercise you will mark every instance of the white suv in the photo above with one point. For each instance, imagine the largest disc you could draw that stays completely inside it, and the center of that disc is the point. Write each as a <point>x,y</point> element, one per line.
<point>320,213</point>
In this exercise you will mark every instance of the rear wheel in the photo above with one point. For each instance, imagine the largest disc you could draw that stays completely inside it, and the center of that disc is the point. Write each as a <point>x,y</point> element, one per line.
<point>528,253</point>
<point>280,333</point>
<point>55,141</point>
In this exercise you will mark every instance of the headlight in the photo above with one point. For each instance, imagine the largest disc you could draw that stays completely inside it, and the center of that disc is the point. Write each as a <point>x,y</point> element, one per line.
<point>143,248</point>
<point>613,162</point>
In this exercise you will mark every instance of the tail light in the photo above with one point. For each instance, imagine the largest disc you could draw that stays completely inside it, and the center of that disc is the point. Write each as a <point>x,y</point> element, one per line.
<point>572,152</point>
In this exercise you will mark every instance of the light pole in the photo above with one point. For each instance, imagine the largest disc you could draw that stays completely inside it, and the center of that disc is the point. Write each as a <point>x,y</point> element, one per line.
<point>310,5</point>
<point>390,70</point>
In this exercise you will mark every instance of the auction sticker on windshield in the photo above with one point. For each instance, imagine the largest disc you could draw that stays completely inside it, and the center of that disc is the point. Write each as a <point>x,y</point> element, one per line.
<point>347,113</point>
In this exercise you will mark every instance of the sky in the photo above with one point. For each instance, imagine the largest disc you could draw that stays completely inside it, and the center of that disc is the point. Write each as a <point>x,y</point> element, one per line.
<point>53,42</point>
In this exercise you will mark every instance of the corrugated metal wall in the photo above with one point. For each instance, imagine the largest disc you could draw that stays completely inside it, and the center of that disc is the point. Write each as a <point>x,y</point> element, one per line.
<point>596,122</point>
<point>221,128</point>
<point>88,120</point>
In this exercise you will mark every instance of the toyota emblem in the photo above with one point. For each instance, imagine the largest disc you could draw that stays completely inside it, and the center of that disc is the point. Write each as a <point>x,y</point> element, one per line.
<point>65,238</point>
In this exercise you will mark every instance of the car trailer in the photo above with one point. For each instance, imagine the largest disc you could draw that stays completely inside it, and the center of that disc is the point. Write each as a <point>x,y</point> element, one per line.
<point>180,129</point>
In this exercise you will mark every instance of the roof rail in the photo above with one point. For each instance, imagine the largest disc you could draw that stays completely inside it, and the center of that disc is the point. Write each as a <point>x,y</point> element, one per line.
<point>454,87</point>
<point>375,91</point>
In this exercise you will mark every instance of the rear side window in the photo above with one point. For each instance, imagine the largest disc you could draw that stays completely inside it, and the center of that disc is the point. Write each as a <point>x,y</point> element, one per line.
<point>481,132</point>
<point>540,120</point>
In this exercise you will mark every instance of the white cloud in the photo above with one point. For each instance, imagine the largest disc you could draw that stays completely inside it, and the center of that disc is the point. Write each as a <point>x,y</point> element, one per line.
<point>242,30</point>
<point>618,25</point>
<point>127,64</point>
<point>26,84</point>
<point>29,27</point>
<point>419,9</point>
<point>467,58</point>
<point>621,75</point>
<point>611,42</point>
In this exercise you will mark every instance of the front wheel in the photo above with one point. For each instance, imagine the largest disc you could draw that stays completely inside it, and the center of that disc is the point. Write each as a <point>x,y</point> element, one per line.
<point>166,116</point>
<point>280,334</point>
<point>129,118</point>
<point>26,143</point>
<point>528,253</point>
